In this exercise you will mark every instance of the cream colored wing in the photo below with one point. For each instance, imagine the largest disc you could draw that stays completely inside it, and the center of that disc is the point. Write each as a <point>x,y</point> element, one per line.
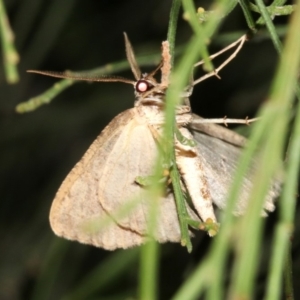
<point>77,203</point>
<point>104,180</point>
<point>135,154</point>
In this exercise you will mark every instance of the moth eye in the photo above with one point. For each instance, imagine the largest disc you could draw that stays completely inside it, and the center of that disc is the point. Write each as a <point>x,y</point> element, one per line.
<point>142,86</point>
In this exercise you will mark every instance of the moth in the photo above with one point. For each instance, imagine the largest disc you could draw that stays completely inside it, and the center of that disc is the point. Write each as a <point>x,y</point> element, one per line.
<point>105,179</point>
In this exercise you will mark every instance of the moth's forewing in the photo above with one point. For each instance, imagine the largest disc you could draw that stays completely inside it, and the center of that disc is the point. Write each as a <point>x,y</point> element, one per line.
<point>104,180</point>
<point>76,202</point>
<point>134,154</point>
<point>220,160</point>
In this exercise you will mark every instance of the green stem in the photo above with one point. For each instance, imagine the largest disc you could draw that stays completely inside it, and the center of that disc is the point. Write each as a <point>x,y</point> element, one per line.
<point>149,270</point>
<point>288,274</point>
<point>52,262</point>
<point>181,208</point>
<point>10,54</point>
<point>149,252</point>
<point>200,33</point>
<point>176,4</point>
<point>45,97</point>
<point>274,284</point>
<point>169,135</point>
<point>269,23</point>
<point>103,274</point>
<point>248,15</point>
<point>274,10</point>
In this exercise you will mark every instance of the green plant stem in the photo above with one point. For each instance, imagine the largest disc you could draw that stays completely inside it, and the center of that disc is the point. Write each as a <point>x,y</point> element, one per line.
<point>281,240</point>
<point>149,267</point>
<point>221,9</point>
<point>277,108</point>
<point>104,274</point>
<point>245,5</point>
<point>149,261</point>
<point>176,4</point>
<point>278,2</point>
<point>149,252</point>
<point>182,211</point>
<point>246,264</point>
<point>45,98</point>
<point>274,11</point>
<point>261,20</point>
<point>172,100</point>
<point>288,274</point>
<point>200,34</point>
<point>223,241</point>
<point>195,284</point>
<point>269,23</point>
<point>287,203</point>
<point>51,264</point>
<point>171,103</point>
<point>169,134</point>
<point>10,54</point>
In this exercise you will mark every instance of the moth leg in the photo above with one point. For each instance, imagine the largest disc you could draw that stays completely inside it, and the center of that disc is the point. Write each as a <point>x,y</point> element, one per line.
<point>191,170</point>
<point>182,109</point>
<point>239,43</point>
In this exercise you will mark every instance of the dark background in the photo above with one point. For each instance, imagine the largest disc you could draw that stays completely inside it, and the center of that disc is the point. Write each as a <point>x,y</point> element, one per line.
<point>38,149</point>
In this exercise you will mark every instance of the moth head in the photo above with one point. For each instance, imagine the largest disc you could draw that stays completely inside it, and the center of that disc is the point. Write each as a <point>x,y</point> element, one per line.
<point>148,91</point>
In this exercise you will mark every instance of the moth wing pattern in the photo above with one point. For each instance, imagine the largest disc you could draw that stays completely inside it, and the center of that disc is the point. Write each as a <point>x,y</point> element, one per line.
<point>136,151</point>
<point>103,180</point>
<point>219,159</point>
<point>76,202</point>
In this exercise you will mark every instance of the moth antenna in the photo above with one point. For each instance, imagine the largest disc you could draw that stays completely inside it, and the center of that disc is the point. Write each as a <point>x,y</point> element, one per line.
<point>131,59</point>
<point>74,76</point>
<point>152,73</point>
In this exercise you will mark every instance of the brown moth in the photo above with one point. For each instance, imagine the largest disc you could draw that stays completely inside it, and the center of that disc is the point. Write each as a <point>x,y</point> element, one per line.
<point>104,180</point>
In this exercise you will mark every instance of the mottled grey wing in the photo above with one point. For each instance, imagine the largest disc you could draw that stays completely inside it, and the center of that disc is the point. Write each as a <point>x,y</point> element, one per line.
<point>220,160</point>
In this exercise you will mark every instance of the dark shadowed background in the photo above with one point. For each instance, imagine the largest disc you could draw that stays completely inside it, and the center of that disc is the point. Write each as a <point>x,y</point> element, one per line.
<point>38,149</point>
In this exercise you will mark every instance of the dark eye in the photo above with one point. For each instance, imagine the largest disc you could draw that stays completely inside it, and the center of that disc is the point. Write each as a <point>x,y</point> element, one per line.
<point>142,86</point>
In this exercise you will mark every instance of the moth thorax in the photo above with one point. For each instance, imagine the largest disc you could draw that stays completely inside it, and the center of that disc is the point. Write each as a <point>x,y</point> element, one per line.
<point>153,97</point>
